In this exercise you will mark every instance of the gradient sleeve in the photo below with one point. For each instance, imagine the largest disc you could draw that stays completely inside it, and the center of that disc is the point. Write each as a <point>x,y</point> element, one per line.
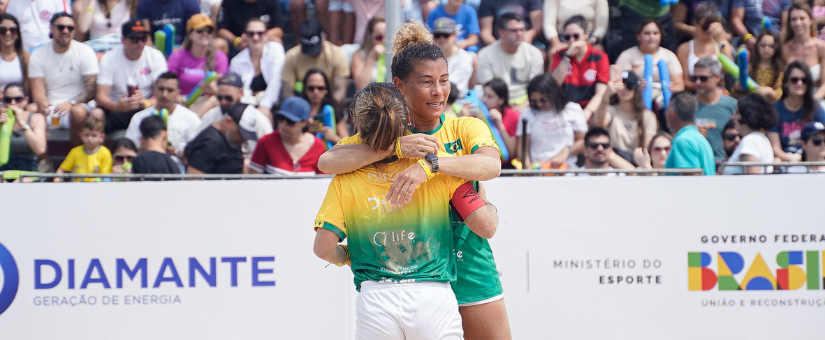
<point>331,214</point>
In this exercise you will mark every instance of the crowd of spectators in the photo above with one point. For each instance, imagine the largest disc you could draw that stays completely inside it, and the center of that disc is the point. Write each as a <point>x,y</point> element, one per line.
<point>566,82</point>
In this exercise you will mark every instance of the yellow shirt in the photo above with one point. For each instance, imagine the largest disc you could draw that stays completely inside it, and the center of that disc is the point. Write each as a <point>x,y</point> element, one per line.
<point>79,162</point>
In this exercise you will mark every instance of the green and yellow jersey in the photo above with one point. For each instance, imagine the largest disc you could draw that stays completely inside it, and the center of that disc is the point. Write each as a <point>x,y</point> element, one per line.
<point>477,275</point>
<point>386,243</point>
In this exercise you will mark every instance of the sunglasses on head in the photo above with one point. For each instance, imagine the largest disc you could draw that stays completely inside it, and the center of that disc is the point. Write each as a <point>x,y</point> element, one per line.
<point>252,34</point>
<point>571,37</point>
<point>798,80</point>
<point>13,100</point>
<point>61,28</point>
<point>4,30</point>
<point>595,146</point>
<point>441,35</point>
<point>121,157</point>
<point>138,39</point>
<point>206,29</point>
<point>704,79</point>
<point>732,136</point>
<point>657,149</point>
<point>817,141</point>
<point>316,88</point>
<point>221,98</point>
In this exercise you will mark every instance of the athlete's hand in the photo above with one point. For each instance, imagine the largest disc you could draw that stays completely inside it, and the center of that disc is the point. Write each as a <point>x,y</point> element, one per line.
<point>404,186</point>
<point>417,146</point>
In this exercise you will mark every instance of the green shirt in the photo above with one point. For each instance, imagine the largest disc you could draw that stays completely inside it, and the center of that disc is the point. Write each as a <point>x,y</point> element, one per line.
<point>719,114</point>
<point>691,150</point>
<point>647,8</point>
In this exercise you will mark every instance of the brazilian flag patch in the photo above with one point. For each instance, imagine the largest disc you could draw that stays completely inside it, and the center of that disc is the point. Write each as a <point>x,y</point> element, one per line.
<point>453,147</point>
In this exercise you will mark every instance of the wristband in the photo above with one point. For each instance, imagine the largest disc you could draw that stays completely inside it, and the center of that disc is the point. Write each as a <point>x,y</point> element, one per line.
<point>398,148</point>
<point>346,260</point>
<point>423,164</point>
<point>746,37</point>
<point>89,9</point>
<point>237,41</point>
<point>466,200</point>
<point>147,103</point>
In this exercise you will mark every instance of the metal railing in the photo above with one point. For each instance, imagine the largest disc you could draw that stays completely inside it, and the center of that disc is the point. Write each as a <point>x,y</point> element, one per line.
<point>562,172</point>
<point>777,166</point>
<point>159,177</point>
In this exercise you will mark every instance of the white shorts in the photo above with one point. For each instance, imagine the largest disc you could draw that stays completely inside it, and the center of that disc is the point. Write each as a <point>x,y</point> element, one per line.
<point>407,311</point>
<point>337,5</point>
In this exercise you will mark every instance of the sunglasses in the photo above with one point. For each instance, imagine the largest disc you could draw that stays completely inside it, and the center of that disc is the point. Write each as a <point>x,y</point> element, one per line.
<point>136,40</point>
<point>764,45</point>
<point>380,37</point>
<point>817,141</point>
<point>204,30</point>
<point>799,80</point>
<point>704,79</point>
<point>316,88</point>
<point>4,30</point>
<point>658,149</point>
<point>571,37</point>
<point>13,100</point>
<point>121,157</point>
<point>252,34</point>
<point>61,28</point>
<point>224,98</point>
<point>595,146</point>
<point>282,119</point>
<point>732,136</point>
<point>441,35</point>
<point>535,102</point>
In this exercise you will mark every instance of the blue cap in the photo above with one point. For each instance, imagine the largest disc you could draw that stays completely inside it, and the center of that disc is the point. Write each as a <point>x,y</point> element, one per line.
<point>295,109</point>
<point>811,129</point>
<point>231,79</point>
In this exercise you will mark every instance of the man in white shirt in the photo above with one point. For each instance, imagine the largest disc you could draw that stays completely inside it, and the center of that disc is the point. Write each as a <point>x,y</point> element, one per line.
<point>181,123</point>
<point>127,75</point>
<point>511,59</point>
<point>230,92</point>
<point>34,17</point>
<point>597,152</point>
<point>62,75</point>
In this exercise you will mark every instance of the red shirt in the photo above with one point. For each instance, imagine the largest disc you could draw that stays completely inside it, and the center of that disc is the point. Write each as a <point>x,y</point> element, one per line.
<point>509,118</point>
<point>270,157</point>
<point>580,81</point>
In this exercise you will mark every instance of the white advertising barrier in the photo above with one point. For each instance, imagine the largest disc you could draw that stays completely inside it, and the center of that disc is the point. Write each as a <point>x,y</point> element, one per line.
<point>579,258</point>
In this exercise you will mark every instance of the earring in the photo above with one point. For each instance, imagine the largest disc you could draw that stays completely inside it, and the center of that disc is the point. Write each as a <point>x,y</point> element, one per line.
<point>325,91</point>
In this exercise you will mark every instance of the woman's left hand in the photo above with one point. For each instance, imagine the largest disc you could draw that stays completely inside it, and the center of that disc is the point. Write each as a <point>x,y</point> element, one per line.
<point>209,88</point>
<point>404,186</point>
<point>329,135</point>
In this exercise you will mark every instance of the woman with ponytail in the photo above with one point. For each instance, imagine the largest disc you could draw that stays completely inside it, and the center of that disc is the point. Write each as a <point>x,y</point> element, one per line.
<point>461,147</point>
<point>414,267</point>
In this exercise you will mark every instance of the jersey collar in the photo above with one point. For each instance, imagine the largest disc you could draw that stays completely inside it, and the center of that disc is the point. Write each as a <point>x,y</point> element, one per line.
<point>440,124</point>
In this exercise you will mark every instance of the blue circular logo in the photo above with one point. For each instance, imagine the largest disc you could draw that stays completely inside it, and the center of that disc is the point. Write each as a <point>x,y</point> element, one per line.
<point>10,278</point>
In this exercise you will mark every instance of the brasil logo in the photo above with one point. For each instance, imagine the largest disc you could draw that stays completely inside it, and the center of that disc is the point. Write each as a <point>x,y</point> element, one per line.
<point>795,270</point>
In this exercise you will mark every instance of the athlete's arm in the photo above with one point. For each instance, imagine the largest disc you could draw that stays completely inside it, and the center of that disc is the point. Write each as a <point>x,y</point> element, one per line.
<point>350,157</point>
<point>483,165</point>
<point>479,215</point>
<point>326,247</point>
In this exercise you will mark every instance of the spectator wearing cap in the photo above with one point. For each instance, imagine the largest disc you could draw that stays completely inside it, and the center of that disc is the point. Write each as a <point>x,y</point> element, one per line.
<point>466,23</point>
<point>629,123</point>
<point>813,146</point>
<point>511,59</point>
<point>126,78</point>
<point>35,18</point>
<point>262,84</point>
<point>460,63</point>
<point>315,51</point>
<point>715,108</point>
<point>754,114</point>
<point>217,149</point>
<point>158,13</point>
<point>196,57</point>
<point>291,150</point>
<point>181,122</point>
<point>235,14</point>
<point>690,149</point>
<point>230,92</point>
<point>365,66</point>
<point>598,150</point>
<point>63,75</point>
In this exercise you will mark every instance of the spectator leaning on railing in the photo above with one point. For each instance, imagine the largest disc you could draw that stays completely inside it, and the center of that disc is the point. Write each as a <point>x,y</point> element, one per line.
<point>730,138</point>
<point>690,149</point>
<point>154,160</point>
<point>813,137</point>
<point>597,152</point>
<point>752,117</point>
<point>655,156</point>
<point>217,149</point>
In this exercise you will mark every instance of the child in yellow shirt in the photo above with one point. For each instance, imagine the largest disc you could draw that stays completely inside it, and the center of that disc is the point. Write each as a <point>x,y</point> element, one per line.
<point>91,157</point>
